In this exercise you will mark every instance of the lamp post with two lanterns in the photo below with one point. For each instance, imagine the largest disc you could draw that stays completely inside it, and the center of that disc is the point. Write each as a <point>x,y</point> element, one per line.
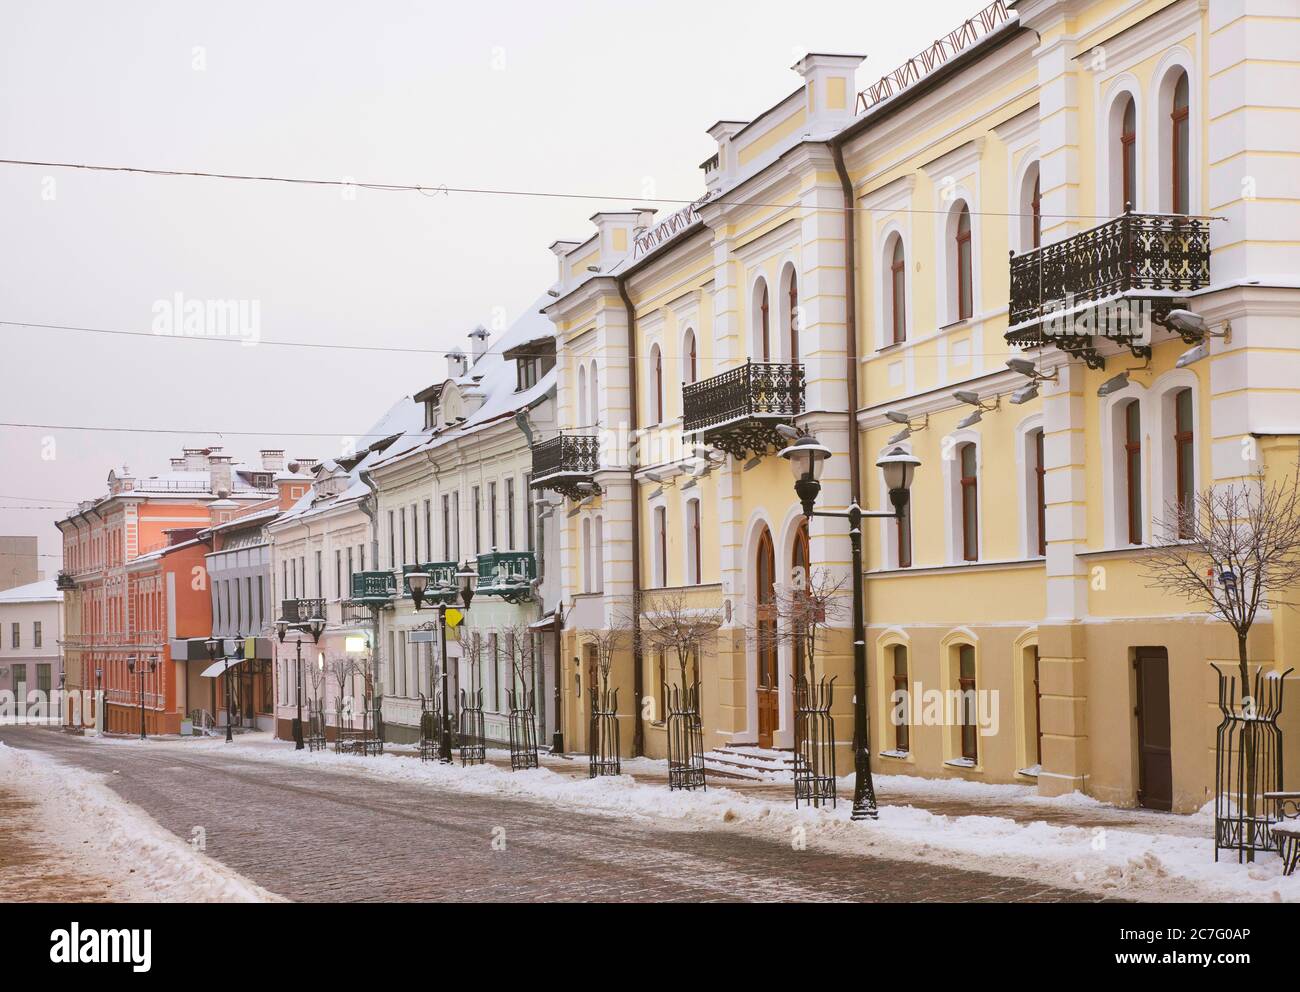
<point>132,663</point>
<point>217,646</point>
<point>315,626</point>
<point>466,577</point>
<point>807,457</point>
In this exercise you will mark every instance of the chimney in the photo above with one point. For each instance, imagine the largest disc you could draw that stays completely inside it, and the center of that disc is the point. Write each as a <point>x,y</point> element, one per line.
<point>272,459</point>
<point>561,249</point>
<point>614,228</point>
<point>219,474</point>
<point>196,459</point>
<point>456,365</point>
<point>829,92</point>
<point>178,464</point>
<point>478,346</point>
<point>722,132</point>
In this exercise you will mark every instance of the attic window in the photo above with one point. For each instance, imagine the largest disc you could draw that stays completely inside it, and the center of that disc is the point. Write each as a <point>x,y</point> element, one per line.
<point>527,373</point>
<point>430,415</point>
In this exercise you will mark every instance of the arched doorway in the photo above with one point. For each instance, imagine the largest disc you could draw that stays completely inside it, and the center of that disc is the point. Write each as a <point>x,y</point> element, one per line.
<point>765,682</point>
<point>800,576</point>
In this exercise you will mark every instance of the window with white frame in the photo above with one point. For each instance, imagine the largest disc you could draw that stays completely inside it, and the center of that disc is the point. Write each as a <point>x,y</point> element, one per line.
<point>896,289</point>
<point>762,323</point>
<point>694,554</point>
<point>961,263</point>
<point>1031,209</point>
<point>660,546</point>
<point>598,555</point>
<point>790,312</point>
<point>690,357</point>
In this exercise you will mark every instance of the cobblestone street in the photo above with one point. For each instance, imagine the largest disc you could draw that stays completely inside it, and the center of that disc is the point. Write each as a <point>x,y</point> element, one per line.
<point>310,834</point>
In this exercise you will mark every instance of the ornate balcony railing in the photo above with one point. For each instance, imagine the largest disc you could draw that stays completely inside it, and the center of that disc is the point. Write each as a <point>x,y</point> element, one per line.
<point>561,462</point>
<point>65,581</point>
<point>739,409</point>
<point>1065,292</point>
<point>444,574</point>
<point>302,610</point>
<point>353,612</point>
<point>508,574</point>
<point>373,586</point>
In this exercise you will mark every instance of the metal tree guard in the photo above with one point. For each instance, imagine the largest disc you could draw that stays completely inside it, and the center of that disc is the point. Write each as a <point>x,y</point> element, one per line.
<point>473,750</point>
<point>523,730</point>
<point>604,734</point>
<point>315,739</point>
<point>814,743</point>
<point>685,740</point>
<point>1247,764</point>
<point>430,715</point>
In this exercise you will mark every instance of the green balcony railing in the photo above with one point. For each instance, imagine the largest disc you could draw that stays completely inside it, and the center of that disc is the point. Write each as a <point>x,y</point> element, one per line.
<point>371,587</point>
<point>508,574</point>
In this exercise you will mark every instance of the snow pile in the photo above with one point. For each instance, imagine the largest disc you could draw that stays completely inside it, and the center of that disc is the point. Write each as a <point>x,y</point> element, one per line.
<point>89,831</point>
<point>1141,864</point>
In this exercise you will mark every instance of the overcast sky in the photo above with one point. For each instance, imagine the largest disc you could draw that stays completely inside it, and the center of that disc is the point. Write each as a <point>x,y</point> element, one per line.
<point>593,98</point>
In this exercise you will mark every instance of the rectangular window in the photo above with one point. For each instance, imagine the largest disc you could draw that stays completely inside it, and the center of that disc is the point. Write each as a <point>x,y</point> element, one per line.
<point>402,518</point>
<point>338,572</point>
<point>528,515</point>
<point>261,604</point>
<point>428,530</point>
<point>510,514</point>
<point>1133,469</point>
<point>17,636</point>
<point>320,579</point>
<point>43,680</point>
<point>1040,484</point>
<point>478,522</point>
<point>902,740</point>
<point>492,515</point>
<point>969,504</point>
<point>1186,458</point>
<point>661,546</point>
<point>693,537</point>
<point>20,679</point>
<point>36,633</point>
<point>446,527</point>
<point>455,526</point>
<point>969,718</point>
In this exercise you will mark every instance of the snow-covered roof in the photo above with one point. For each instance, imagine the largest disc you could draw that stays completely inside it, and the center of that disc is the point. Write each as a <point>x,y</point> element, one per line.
<point>44,591</point>
<point>492,378</point>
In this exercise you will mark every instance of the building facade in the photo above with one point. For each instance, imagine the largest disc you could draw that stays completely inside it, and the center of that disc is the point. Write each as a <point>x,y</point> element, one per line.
<point>881,255</point>
<point>31,626</point>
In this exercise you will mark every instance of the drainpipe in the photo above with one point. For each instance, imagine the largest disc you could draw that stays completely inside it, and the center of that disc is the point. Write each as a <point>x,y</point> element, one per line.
<point>638,732</point>
<point>370,507</point>
<point>850,319</point>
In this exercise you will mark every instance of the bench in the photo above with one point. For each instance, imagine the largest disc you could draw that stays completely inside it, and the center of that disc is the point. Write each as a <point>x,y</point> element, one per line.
<point>1285,828</point>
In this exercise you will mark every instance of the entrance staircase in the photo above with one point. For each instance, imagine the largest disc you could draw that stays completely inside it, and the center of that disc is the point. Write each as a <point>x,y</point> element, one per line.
<point>750,762</point>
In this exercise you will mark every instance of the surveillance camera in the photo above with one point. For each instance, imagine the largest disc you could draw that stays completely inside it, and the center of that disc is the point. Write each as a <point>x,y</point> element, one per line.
<point>898,418</point>
<point>902,435</point>
<point>1193,356</point>
<point>1025,393</point>
<point>1022,365</point>
<point>971,419</point>
<point>966,396</point>
<point>1185,322</point>
<point>1113,385</point>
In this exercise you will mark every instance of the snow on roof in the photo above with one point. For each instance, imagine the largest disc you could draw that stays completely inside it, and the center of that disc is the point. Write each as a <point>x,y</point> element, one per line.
<point>493,378</point>
<point>46,590</point>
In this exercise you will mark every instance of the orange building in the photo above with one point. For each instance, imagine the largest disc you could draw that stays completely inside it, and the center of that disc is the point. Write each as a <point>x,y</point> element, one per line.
<point>135,579</point>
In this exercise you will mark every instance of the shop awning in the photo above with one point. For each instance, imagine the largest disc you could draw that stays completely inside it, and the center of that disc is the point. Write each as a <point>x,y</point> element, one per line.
<point>216,668</point>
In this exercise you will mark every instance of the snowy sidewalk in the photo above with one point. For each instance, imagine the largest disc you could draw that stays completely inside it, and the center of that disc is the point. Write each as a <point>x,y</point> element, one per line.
<point>67,837</point>
<point>1071,842</point>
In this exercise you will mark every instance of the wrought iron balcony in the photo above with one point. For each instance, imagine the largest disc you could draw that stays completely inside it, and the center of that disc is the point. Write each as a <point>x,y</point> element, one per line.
<point>738,411</point>
<point>444,575</point>
<point>563,462</point>
<point>357,612</point>
<point>373,587</point>
<point>302,610</point>
<point>508,574</point>
<point>65,581</point>
<point>1112,281</point>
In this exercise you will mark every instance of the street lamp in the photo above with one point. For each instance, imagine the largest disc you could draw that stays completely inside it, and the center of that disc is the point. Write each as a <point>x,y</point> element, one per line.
<point>418,583</point>
<point>807,457</point>
<point>315,626</point>
<point>217,647</point>
<point>131,667</point>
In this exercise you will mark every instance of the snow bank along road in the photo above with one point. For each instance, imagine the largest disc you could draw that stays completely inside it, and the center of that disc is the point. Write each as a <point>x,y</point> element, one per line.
<point>308,831</point>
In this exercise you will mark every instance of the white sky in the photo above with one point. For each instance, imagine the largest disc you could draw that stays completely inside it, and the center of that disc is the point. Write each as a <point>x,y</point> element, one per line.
<point>581,97</point>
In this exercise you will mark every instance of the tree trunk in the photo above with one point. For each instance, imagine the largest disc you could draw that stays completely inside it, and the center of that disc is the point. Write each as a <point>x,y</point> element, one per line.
<point>1248,799</point>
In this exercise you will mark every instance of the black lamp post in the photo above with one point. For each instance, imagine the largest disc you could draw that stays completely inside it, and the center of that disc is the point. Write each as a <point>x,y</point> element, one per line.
<point>131,667</point>
<point>315,627</point>
<point>419,585</point>
<point>807,456</point>
<point>217,646</point>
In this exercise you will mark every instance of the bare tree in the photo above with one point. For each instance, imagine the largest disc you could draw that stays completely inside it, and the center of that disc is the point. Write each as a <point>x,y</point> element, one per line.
<point>671,625</point>
<point>608,642</point>
<point>1234,550</point>
<point>802,611</point>
<point>520,649</point>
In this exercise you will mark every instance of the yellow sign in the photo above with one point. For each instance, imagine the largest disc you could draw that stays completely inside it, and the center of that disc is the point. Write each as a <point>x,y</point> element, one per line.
<point>454,616</point>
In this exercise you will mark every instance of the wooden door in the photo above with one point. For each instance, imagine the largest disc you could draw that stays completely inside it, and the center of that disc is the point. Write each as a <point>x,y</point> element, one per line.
<point>591,680</point>
<point>765,682</point>
<point>1155,767</point>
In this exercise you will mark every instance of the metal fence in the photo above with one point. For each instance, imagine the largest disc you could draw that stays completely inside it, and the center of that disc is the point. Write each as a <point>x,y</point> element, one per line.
<point>604,734</point>
<point>523,729</point>
<point>814,743</point>
<point>1247,764</point>
<point>472,746</point>
<point>685,740</point>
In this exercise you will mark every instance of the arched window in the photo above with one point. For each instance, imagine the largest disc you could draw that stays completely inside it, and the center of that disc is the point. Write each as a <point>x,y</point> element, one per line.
<point>969,502</point>
<point>902,692</point>
<point>594,382</point>
<point>598,555</point>
<point>898,291</point>
<point>1132,414</point>
<point>657,399</point>
<point>764,324</point>
<point>800,572</point>
<point>962,247</point>
<point>587,584</point>
<point>1180,147</point>
<point>1031,209</point>
<point>1128,154</point>
<point>690,360</point>
<point>1184,462</point>
<point>1038,512</point>
<point>793,316</point>
<point>661,546</point>
<point>766,675</point>
<point>969,711</point>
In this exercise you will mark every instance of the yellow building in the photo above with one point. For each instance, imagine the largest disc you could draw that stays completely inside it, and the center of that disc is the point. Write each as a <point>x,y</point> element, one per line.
<point>985,187</point>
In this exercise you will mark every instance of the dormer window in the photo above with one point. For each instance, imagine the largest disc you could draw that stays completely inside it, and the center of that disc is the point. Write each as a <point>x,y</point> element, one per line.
<point>527,373</point>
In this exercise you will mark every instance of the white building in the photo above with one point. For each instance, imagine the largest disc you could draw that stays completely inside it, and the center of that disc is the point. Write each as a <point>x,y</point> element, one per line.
<point>461,495</point>
<point>31,627</point>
